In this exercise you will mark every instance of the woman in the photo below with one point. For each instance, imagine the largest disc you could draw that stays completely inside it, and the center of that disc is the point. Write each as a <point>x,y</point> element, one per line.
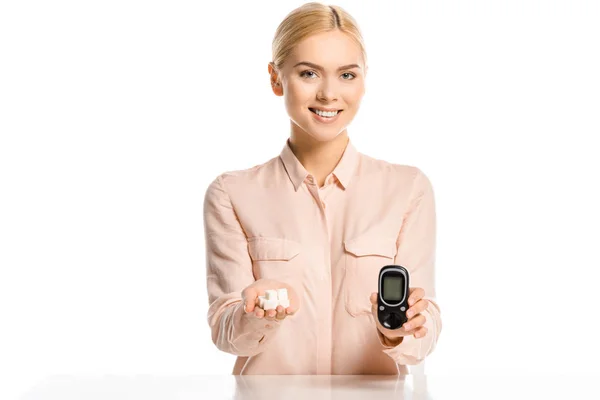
<point>320,220</point>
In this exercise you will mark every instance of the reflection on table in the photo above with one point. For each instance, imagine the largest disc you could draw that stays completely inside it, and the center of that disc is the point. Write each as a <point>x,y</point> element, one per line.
<point>315,387</point>
<point>231,387</point>
<point>334,387</point>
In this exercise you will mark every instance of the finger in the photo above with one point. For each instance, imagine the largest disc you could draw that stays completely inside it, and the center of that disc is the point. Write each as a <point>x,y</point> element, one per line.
<point>412,297</point>
<point>280,313</point>
<point>270,314</point>
<point>250,296</point>
<point>259,312</point>
<point>414,323</point>
<point>374,298</point>
<point>415,295</point>
<point>420,332</point>
<point>419,307</point>
<point>292,309</point>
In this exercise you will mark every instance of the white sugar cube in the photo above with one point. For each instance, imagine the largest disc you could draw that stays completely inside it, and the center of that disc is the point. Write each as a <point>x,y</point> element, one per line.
<point>271,294</point>
<point>285,303</point>
<point>282,294</point>
<point>270,304</point>
<point>274,298</point>
<point>261,302</point>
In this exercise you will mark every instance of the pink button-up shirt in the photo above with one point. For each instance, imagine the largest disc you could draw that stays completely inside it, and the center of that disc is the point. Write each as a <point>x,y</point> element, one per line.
<point>273,221</point>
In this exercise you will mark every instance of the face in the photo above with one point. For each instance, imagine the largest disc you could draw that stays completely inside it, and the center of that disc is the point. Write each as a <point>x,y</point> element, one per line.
<point>324,72</point>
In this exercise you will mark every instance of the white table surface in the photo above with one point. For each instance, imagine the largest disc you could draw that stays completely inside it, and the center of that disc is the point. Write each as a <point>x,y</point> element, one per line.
<point>313,387</point>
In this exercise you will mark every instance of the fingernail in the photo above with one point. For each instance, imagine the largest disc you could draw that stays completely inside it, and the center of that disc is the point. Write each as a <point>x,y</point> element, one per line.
<point>409,314</point>
<point>407,326</point>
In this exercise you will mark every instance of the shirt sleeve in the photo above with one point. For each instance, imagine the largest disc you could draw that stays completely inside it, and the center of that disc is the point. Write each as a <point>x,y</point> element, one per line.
<point>228,273</point>
<point>416,252</point>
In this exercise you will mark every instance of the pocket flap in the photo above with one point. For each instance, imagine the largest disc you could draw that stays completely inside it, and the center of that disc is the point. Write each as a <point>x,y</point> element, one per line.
<point>272,248</point>
<point>366,245</point>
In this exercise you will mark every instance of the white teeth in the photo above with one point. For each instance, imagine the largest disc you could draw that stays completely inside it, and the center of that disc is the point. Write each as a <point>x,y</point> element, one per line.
<point>327,114</point>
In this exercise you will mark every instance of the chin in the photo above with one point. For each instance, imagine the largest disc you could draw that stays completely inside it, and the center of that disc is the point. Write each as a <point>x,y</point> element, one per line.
<point>321,136</point>
<point>319,133</point>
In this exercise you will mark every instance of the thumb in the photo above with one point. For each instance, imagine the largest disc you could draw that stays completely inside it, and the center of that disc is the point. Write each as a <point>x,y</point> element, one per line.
<point>249,298</point>
<point>374,298</point>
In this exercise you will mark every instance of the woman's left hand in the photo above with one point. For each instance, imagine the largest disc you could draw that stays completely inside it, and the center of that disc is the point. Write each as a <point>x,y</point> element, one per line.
<point>416,320</point>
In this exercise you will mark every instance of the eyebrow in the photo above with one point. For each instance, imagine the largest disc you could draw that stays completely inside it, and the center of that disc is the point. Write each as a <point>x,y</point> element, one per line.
<point>315,66</point>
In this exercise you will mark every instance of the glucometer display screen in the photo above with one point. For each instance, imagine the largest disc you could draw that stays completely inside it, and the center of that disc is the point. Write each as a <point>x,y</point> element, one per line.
<point>393,288</point>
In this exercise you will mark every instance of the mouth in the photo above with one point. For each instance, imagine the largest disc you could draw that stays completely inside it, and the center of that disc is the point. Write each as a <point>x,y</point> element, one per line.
<point>314,110</point>
<point>326,118</point>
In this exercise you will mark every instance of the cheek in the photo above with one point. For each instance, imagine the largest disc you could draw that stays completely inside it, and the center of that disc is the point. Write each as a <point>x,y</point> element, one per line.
<point>304,91</point>
<point>353,94</point>
<point>294,108</point>
<point>301,94</point>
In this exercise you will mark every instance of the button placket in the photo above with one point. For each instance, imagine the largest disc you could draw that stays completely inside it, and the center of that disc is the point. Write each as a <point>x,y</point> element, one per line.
<point>324,346</point>
<point>325,364</point>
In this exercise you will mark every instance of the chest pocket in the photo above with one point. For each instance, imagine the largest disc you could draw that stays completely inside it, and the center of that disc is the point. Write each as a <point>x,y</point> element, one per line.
<point>364,257</point>
<point>274,258</point>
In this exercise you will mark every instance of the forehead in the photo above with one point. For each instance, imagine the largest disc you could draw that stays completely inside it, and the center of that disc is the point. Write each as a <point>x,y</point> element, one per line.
<point>329,49</point>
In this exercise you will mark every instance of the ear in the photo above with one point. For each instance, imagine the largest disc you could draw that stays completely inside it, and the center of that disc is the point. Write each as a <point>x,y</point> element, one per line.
<point>275,80</point>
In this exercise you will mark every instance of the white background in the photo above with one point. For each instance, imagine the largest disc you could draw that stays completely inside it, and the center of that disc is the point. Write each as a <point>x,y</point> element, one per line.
<point>116,115</point>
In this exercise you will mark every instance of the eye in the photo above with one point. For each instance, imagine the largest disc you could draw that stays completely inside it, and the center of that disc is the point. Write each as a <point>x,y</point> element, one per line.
<point>349,73</point>
<point>303,73</point>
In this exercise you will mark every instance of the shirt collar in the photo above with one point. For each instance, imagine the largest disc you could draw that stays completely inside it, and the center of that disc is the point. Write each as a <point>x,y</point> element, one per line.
<point>297,173</point>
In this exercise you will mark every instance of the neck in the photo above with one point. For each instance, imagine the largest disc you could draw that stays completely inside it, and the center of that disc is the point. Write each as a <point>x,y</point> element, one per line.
<point>318,158</point>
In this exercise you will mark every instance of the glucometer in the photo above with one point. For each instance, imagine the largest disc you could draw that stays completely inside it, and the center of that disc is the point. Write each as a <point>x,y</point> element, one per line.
<point>392,297</point>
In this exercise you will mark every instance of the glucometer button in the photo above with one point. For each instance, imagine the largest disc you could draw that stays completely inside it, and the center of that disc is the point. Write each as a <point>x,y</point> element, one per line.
<point>392,321</point>
<point>402,308</point>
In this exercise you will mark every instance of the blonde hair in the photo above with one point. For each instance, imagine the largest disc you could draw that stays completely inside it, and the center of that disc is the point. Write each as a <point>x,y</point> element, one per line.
<point>309,19</point>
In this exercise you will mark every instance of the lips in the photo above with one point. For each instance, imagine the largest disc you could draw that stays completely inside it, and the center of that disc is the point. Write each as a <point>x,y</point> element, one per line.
<point>326,120</point>
<point>314,109</point>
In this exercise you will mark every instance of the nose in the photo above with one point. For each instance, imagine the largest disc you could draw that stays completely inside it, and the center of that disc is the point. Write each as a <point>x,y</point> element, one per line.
<point>327,91</point>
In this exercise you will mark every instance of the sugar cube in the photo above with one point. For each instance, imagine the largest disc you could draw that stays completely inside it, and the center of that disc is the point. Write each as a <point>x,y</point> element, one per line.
<point>270,304</point>
<point>282,294</point>
<point>274,298</point>
<point>285,303</point>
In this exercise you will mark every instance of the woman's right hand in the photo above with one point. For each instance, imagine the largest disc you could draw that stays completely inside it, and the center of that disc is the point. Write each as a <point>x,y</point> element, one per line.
<point>259,288</point>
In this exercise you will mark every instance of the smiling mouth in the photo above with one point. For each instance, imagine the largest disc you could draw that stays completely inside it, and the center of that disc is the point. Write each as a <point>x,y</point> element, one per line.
<point>314,111</point>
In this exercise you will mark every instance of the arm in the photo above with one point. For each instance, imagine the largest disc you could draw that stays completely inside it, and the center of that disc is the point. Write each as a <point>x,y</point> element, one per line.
<point>228,273</point>
<point>416,252</point>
